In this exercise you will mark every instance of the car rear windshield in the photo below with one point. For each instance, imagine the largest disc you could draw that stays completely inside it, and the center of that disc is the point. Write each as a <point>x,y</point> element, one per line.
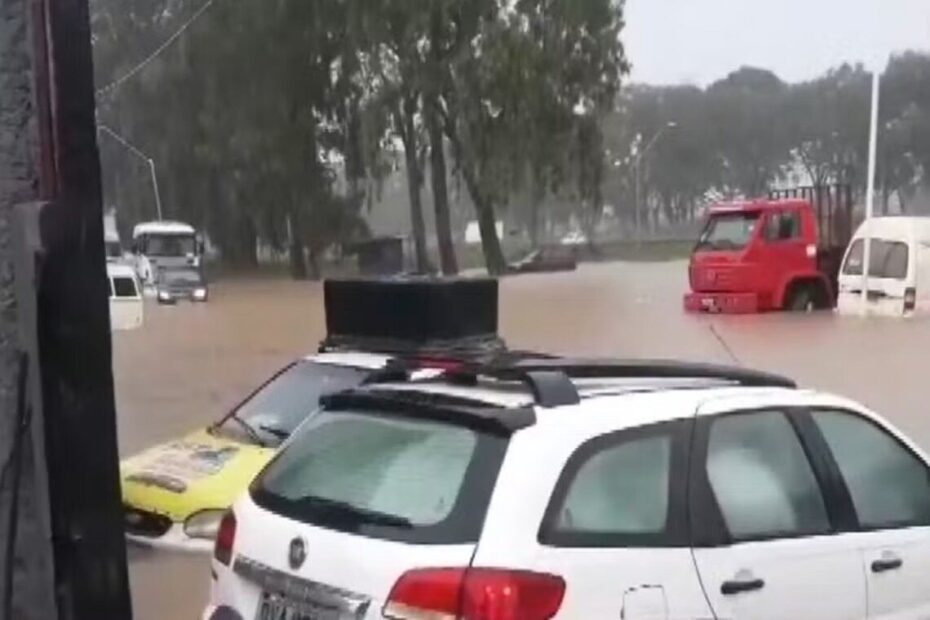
<point>124,287</point>
<point>728,231</point>
<point>278,407</point>
<point>887,259</point>
<point>385,476</point>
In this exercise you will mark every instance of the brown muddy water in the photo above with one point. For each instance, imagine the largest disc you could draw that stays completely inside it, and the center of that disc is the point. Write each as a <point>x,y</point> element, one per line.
<point>190,363</point>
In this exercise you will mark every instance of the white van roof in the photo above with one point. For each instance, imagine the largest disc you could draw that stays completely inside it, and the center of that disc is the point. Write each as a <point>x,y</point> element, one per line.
<point>164,227</point>
<point>896,227</point>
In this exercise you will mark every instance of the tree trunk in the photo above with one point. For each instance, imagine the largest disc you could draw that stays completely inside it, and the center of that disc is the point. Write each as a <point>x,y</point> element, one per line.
<point>534,224</point>
<point>414,181</point>
<point>314,260</point>
<point>440,191</point>
<point>490,243</point>
<point>298,265</point>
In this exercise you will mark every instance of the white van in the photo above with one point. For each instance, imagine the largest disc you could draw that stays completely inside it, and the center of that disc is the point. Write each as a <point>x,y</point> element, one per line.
<point>164,245</point>
<point>899,272</point>
<point>126,306</point>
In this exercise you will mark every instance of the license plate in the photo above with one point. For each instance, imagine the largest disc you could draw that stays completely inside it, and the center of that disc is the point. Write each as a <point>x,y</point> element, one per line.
<point>708,303</point>
<point>276,608</point>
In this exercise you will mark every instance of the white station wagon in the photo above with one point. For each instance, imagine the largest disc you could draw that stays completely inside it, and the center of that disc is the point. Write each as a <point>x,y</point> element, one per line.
<point>583,490</point>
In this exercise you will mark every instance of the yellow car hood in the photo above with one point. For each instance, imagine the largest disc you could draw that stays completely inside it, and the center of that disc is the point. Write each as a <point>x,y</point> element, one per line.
<point>182,477</point>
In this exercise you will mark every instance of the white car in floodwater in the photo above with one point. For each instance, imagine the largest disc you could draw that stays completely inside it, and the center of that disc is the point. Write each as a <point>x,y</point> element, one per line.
<point>583,491</point>
<point>127,309</point>
<point>898,283</point>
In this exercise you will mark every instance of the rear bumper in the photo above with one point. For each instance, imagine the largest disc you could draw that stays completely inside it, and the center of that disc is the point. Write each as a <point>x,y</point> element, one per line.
<point>722,303</point>
<point>174,540</point>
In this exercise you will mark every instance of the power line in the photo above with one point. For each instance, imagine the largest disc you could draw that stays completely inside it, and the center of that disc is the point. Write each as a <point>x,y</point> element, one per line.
<point>161,48</point>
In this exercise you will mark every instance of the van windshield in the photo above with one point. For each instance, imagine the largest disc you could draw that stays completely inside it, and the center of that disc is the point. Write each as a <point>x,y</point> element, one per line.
<point>384,476</point>
<point>171,245</point>
<point>728,231</point>
<point>887,259</point>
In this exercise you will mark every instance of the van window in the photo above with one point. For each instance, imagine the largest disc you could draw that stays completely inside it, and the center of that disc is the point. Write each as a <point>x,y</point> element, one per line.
<point>124,287</point>
<point>888,259</point>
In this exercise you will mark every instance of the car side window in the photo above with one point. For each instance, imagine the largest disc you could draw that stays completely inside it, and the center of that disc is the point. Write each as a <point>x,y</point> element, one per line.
<point>617,490</point>
<point>889,485</point>
<point>783,226</point>
<point>762,479</point>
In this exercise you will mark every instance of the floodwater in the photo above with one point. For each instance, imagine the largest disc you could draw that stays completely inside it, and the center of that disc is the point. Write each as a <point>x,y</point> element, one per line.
<point>191,363</point>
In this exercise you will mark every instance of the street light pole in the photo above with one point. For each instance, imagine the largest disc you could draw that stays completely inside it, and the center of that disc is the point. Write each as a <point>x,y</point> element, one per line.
<point>138,153</point>
<point>155,185</point>
<point>637,171</point>
<point>870,192</point>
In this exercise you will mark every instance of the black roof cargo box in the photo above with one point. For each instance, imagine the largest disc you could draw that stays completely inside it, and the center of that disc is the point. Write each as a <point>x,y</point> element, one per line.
<point>422,315</point>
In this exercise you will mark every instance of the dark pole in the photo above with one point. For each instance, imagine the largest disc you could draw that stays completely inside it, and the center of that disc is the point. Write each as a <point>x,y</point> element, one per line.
<point>71,556</point>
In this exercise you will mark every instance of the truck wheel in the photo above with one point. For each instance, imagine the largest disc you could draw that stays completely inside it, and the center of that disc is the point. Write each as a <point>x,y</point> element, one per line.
<point>802,298</point>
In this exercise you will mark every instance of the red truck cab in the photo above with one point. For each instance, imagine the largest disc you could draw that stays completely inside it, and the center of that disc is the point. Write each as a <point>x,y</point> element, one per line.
<point>760,255</point>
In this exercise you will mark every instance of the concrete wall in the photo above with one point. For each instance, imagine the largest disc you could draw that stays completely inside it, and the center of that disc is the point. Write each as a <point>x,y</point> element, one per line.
<point>17,184</point>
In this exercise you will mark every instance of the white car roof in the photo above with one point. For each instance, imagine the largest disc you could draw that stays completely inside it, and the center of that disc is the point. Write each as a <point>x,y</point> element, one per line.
<point>120,270</point>
<point>637,402</point>
<point>164,227</point>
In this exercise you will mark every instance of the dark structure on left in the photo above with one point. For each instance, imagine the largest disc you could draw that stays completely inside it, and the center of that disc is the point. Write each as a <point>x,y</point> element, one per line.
<point>62,552</point>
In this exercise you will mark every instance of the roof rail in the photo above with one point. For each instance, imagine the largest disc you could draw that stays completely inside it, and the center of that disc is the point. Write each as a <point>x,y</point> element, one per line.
<point>550,380</point>
<point>596,368</point>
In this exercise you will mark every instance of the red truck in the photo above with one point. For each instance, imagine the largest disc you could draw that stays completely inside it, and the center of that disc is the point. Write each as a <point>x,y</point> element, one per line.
<point>779,253</point>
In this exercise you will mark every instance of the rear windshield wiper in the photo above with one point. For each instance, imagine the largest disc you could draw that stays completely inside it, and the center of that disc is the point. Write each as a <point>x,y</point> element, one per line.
<point>349,514</point>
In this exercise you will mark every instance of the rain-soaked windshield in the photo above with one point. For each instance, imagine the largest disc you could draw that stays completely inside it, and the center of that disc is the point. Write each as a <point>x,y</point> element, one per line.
<point>728,231</point>
<point>170,245</point>
<point>276,409</point>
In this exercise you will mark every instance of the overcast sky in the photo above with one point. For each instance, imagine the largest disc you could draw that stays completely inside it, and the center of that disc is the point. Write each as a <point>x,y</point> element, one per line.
<point>700,41</point>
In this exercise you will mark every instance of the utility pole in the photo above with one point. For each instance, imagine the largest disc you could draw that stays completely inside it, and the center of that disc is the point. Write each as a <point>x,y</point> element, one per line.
<point>870,191</point>
<point>62,549</point>
<point>637,171</point>
<point>138,153</point>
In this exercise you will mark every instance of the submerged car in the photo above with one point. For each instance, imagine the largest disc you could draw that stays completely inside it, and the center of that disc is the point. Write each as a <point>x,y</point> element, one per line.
<point>181,283</point>
<point>174,494</point>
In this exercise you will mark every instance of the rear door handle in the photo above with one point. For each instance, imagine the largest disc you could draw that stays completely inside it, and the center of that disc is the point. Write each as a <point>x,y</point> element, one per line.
<point>736,586</point>
<point>886,564</point>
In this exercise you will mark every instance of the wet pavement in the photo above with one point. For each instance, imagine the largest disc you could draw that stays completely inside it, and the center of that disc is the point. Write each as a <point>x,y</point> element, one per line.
<point>191,363</point>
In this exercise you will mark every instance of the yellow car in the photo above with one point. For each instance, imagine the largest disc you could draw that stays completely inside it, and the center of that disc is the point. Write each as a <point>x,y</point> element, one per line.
<point>175,494</point>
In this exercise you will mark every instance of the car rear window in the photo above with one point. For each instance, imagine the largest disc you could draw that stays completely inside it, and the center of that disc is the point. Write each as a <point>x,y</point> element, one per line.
<point>124,287</point>
<point>887,259</point>
<point>384,476</point>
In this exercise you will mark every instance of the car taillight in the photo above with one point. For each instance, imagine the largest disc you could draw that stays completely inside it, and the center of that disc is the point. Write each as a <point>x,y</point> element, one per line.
<point>475,594</point>
<point>225,538</point>
<point>910,299</point>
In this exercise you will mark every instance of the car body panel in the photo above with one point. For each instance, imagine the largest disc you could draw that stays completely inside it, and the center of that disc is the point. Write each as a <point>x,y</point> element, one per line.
<point>361,567</point>
<point>198,472</point>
